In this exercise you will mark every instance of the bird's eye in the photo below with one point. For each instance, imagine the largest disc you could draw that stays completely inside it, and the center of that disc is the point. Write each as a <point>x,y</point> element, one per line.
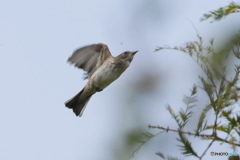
<point>125,53</point>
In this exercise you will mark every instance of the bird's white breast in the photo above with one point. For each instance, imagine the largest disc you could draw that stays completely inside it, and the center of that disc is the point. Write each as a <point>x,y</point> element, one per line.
<point>107,73</point>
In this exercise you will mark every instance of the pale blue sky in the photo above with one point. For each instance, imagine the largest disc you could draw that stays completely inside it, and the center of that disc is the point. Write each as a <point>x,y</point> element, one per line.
<point>37,37</point>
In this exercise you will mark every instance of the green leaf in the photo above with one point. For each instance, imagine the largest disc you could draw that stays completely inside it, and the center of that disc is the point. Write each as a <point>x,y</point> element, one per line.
<point>201,125</point>
<point>222,12</point>
<point>186,146</point>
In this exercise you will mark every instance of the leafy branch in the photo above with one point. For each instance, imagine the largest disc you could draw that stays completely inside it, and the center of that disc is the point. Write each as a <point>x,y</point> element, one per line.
<point>203,136</point>
<point>223,95</point>
<point>222,12</point>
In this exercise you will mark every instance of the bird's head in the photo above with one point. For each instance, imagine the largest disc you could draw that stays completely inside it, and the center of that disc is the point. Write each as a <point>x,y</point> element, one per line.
<point>127,56</point>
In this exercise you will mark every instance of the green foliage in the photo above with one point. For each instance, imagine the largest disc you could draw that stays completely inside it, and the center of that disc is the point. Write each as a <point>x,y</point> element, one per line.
<point>223,93</point>
<point>222,12</point>
<point>140,138</point>
<point>186,146</point>
<point>202,122</point>
<point>184,115</point>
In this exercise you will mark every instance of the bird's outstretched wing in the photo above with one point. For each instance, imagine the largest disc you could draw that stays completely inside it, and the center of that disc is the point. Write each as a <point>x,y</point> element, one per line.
<point>89,58</point>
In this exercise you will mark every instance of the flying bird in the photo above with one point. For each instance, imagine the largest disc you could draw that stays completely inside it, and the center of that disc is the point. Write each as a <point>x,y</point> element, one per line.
<point>101,70</point>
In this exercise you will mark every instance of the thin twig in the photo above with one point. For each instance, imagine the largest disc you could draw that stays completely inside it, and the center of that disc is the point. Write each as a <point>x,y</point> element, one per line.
<point>212,136</point>
<point>210,144</point>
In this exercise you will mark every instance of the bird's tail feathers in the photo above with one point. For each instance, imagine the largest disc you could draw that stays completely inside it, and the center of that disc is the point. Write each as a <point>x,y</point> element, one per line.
<point>77,104</point>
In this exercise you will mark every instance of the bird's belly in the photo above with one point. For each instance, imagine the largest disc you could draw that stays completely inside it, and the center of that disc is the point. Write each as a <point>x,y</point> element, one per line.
<point>105,76</point>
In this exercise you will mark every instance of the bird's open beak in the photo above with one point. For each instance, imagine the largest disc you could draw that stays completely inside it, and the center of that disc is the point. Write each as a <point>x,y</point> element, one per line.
<point>134,52</point>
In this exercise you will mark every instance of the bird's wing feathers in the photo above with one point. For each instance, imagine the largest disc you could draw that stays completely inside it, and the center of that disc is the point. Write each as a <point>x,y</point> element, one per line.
<point>89,58</point>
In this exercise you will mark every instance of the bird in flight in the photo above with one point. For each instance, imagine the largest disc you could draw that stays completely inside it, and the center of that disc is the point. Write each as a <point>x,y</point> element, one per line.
<point>101,70</point>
